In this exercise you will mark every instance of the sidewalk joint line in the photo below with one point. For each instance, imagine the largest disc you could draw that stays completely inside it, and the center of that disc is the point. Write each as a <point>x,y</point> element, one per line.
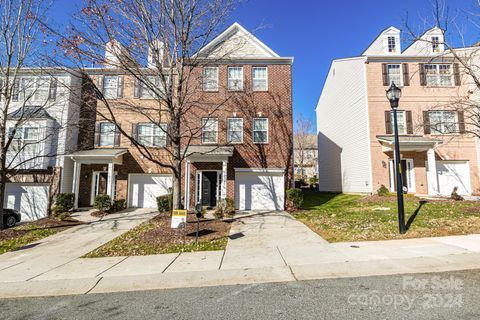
<point>13,265</point>
<point>284,261</point>
<point>96,283</point>
<point>171,262</point>
<point>221,261</point>
<point>56,267</point>
<point>112,266</point>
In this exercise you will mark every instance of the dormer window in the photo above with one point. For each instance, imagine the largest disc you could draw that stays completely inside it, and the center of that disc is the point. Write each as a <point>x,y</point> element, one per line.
<point>392,45</point>
<point>436,44</point>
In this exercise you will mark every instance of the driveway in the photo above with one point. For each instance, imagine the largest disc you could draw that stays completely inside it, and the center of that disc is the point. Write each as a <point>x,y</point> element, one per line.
<point>64,247</point>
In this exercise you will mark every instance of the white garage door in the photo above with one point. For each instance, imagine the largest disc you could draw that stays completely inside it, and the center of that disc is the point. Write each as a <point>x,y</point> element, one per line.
<point>31,199</point>
<point>259,190</point>
<point>453,174</point>
<point>143,189</point>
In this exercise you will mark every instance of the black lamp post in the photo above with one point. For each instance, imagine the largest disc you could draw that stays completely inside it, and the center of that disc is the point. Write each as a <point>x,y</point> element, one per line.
<point>393,94</point>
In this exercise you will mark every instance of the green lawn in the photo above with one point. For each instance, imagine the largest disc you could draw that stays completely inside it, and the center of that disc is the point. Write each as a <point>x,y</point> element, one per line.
<point>343,217</point>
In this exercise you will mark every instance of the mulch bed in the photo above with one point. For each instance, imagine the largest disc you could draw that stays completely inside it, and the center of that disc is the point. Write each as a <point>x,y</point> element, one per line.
<point>44,223</point>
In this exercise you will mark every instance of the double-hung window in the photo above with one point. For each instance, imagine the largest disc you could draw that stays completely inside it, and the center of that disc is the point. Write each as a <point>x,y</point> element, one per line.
<point>260,78</point>
<point>435,44</point>
<point>35,88</point>
<point>260,130</point>
<point>107,134</point>
<point>443,122</point>
<point>26,140</point>
<point>439,75</point>
<point>235,78</point>
<point>209,130</point>
<point>152,135</point>
<point>110,87</point>
<point>394,72</point>
<point>401,121</point>
<point>210,78</point>
<point>146,91</point>
<point>392,45</point>
<point>235,130</point>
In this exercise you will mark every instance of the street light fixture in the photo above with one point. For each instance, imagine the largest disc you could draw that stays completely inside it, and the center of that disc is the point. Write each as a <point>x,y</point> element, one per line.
<point>393,95</point>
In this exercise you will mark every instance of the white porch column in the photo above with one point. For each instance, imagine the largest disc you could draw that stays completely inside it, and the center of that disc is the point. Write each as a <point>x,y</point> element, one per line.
<point>111,181</point>
<point>432,173</point>
<point>223,190</point>
<point>186,205</point>
<point>77,166</point>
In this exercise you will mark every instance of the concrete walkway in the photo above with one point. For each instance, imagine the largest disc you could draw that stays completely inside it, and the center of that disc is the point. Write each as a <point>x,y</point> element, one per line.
<point>263,247</point>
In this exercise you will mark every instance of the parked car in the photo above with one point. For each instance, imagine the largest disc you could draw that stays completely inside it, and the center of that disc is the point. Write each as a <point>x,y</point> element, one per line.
<point>11,217</point>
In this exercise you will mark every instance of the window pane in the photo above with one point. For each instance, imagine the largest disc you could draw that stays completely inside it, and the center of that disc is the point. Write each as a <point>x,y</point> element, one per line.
<point>235,131</point>
<point>235,79</point>
<point>110,84</point>
<point>435,122</point>
<point>260,137</point>
<point>449,121</point>
<point>209,130</point>
<point>107,134</point>
<point>30,133</point>
<point>394,74</point>
<point>260,124</point>
<point>401,122</point>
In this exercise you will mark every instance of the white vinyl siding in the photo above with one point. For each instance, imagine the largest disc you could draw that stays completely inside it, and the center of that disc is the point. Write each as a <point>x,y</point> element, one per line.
<point>235,78</point>
<point>343,129</point>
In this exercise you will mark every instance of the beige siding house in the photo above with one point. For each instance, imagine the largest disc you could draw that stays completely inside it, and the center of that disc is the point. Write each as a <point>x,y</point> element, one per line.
<point>354,121</point>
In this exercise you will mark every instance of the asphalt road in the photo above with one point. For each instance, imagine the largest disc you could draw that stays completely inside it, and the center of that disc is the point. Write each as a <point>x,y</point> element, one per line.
<point>452,295</point>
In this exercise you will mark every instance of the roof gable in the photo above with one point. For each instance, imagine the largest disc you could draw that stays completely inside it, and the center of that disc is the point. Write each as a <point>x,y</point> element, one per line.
<point>236,42</point>
<point>379,45</point>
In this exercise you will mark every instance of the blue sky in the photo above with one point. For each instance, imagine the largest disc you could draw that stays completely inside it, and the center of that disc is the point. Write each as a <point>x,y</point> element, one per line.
<point>315,32</point>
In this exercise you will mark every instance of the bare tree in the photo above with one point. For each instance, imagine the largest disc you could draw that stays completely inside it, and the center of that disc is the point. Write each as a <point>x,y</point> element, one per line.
<point>24,146</point>
<point>302,143</point>
<point>116,35</point>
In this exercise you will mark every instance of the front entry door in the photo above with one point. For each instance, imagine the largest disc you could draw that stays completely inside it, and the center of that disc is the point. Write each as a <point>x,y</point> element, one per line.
<point>408,175</point>
<point>209,188</point>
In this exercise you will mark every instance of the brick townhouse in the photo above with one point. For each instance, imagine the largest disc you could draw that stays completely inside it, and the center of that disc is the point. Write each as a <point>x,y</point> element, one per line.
<point>243,151</point>
<point>354,120</point>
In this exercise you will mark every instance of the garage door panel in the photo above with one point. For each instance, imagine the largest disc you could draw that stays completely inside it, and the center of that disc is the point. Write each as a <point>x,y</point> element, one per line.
<point>30,199</point>
<point>453,174</point>
<point>259,191</point>
<point>144,189</point>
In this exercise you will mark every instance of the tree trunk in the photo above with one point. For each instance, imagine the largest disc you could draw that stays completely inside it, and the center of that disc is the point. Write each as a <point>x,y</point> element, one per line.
<point>2,194</point>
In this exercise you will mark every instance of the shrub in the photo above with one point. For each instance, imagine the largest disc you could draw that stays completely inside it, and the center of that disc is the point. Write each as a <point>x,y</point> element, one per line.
<point>225,209</point>
<point>455,196</point>
<point>218,213</point>
<point>313,181</point>
<point>383,191</point>
<point>102,202</point>
<point>119,205</point>
<point>65,202</point>
<point>164,203</point>
<point>59,213</point>
<point>295,198</point>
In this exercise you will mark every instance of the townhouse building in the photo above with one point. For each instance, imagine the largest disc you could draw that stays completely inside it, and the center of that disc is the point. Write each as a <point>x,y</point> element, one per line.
<point>242,152</point>
<point>354,120</point>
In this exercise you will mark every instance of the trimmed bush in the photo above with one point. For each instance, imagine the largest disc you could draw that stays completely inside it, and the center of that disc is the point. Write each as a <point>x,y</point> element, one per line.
<point>119,205</point>
<point>164,203</point>
<point>383,191</point>
<point>295,198</point>
<point>225,209</point>
<point>65,202</point>
<point>102,202</point>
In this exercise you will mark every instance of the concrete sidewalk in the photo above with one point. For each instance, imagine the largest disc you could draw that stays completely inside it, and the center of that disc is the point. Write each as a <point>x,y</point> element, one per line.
<point>264,247</point>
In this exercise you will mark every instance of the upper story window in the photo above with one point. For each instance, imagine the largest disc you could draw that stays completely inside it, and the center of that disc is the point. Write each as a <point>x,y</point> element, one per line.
<point>210,78</point>
<point>260,78</point>
<point>401,121</point>
<point>394,74</point>
<point>443,122</point>
<point>152,135</point>
<point>439,75</point>
<point>27,139</point>
<point>107,134</point>
<point>260,130</point>
<point>235,130</point>
<point>35,89</point>
<point>235,78</point>
<point>209,130</point>
<point>391,44</point>
<point>436,44</point>
<point>112,87</point>
<point>149,87</point>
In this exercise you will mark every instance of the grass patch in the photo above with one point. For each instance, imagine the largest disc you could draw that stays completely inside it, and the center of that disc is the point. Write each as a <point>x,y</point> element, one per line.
<point>343,217</point>
<point>156,237</point>
<point>24,234</point>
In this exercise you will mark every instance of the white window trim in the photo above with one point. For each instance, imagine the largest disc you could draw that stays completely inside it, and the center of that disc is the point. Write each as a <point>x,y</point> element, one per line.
<point>401,74</point>
<point>100,134</point>
<point>204,82</point>
<point>437,73</point>
<point>116,87</point>
<point>216,130</point>
<point>39,146</point>
<point>34,87</point>
<point>253,131</point>
<point>152,137</point>
<point>228,79</point>
<point>266,79</point>
<point>457,125</point>
<point>404,112</point>
<point>228,130</point>
<point>410,175</point>
<point>395,44</point>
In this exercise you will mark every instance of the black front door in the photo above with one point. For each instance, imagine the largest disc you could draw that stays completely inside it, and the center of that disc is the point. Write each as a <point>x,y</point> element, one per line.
<point>209,189</point>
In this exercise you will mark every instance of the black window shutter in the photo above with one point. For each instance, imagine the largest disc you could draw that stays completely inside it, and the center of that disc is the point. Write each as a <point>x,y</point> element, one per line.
<point>134,132</point>
<point>388,122</point>
<point>426,122</point>
<point>97,134</point>
<point>423,76</point>
<point>461,122</point>
<point>52,93</point>
<point>409,122</point>
<point>406,74</point>
<point>117,137</point>
<point>385,74</point>
<point>456,74</point>
<point>120,87</point>
<point>16,90</point>
<point>136,89</point>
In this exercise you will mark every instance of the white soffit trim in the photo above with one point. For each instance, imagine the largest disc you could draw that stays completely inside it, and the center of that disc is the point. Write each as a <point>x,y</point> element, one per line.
<point>260,170</point>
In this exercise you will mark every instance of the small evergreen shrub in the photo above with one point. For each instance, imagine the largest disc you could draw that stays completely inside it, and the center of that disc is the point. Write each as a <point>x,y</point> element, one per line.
<point>383,191</point>
<point>65,202</point>
<point>119,205</point>
<point>164,203</point>
<point>295,198</point>
<point>102,202</point>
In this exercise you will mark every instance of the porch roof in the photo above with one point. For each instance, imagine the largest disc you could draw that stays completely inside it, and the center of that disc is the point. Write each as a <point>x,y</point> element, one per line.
<point>209,153</point>
<point>408,143</point>
<point>101,155</point>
